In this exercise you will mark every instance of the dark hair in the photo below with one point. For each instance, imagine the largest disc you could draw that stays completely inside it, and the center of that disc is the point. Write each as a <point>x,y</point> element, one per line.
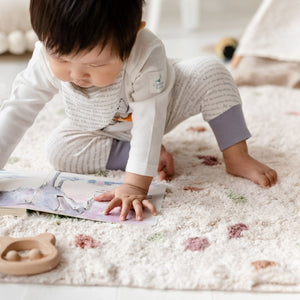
<point>70,26</point>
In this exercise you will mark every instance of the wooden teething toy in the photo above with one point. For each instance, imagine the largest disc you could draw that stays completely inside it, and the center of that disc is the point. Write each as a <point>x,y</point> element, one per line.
<point>42,256</point>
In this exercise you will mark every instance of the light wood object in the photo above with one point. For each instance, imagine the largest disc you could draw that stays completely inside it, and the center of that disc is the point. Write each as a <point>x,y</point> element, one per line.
<point>235,61</point>
<point>40,256</point>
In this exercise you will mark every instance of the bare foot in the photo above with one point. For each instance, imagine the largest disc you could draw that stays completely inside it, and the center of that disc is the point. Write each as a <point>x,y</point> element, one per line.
<point>166,165</point>
<point>239,163</point>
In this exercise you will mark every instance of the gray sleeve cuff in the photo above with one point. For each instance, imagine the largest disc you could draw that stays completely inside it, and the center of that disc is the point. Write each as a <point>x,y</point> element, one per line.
<point>230,127</point>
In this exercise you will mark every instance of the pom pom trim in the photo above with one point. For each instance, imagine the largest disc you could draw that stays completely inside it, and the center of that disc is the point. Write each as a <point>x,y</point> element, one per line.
<point>17,42</point>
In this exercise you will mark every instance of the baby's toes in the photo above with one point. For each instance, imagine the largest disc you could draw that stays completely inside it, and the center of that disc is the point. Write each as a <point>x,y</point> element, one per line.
<point>272,176</point>
<point>263,180</point>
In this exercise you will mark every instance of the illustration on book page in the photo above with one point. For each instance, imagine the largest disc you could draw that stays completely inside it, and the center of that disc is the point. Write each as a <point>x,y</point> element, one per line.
<point>68,194</point>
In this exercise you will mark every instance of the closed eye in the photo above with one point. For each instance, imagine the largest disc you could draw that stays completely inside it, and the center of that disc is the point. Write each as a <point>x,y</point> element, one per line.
<point>60,60</point>
<point>96,65</point>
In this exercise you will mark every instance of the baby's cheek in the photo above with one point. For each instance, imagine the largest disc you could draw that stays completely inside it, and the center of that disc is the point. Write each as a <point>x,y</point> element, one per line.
<point>61,73</point>
<point>63,76</point>
<point>102,80</point>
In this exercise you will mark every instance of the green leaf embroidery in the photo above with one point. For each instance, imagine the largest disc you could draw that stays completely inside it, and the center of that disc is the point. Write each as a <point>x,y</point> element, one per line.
<point>157,237</point>
<point>235,197</point>
<point>13,160</point>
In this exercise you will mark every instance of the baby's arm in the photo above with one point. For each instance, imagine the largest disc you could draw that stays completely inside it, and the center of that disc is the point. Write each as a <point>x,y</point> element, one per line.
<point>151,79</point>
<point>132,194</point>
<point>31,90</point>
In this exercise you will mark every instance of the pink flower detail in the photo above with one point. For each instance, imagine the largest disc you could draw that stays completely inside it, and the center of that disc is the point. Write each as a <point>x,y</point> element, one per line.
<point>235,231</point>
<point>197,129</point>
<point>192,188</point>
<point>209,160</point>
<point>85,241</point>
<point>293,113</point>
<point>263,264</point>
<point>196,244</point>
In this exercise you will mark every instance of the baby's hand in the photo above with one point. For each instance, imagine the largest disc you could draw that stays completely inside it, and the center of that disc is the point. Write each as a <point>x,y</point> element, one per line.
<point>127,196</point>
<point>165,165</point>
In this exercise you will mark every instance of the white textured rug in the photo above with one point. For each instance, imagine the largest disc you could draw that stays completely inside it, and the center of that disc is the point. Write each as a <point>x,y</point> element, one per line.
<point>244,237</point>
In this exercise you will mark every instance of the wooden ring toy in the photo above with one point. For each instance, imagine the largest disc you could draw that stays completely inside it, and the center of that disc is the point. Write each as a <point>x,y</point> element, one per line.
<point>40,255</point>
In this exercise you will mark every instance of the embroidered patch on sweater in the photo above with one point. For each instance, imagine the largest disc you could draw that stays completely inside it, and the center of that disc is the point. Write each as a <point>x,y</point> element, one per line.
<point>156,82</point>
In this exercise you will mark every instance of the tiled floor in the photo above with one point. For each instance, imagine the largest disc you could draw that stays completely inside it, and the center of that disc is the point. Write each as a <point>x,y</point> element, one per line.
<point>219,18</point>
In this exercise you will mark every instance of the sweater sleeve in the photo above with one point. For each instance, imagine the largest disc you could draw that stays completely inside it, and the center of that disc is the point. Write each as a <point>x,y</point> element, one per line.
<point>31,90</point>
<point>150,98</point>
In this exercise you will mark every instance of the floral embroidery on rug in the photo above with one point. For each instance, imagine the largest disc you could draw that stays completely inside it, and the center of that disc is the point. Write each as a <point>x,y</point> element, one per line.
<point>209,160</point>
<point>292,113</point>
<point>85,241</point>
<point>234,231</point>
<point>192,188</point>
<point>263,264</point>
<point>235,197</point>
<point>157,237</point>
<point>197,129</point>
<point>196,244</point>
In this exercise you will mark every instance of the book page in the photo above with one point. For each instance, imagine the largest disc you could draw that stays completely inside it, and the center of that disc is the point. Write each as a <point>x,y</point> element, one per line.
<point>70,195</point>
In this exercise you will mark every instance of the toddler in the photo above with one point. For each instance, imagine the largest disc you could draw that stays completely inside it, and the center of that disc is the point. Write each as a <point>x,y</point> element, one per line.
<point>121,95</point>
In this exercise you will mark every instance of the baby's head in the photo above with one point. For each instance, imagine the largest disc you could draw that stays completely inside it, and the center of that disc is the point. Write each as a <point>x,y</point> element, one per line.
<point>87,41</point>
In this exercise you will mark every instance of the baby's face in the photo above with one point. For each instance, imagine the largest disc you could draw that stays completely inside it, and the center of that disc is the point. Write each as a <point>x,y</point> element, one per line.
<point>87,69</point>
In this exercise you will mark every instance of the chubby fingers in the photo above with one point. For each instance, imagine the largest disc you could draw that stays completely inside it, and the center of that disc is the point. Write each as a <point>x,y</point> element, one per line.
<point>134,202</point>
<point>166,170</point>
<point>163,175</point>
<point>127,204</point>
<point>146,203</point>
<point>105,196</point>
<point>138,208</point>
<point>137,205</point>
<point>166,165</point>
<point>111,205</point>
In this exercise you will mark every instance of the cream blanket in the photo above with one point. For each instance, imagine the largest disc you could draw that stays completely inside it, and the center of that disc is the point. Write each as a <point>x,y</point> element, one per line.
<point>273,32</point>
<point>270,46</point>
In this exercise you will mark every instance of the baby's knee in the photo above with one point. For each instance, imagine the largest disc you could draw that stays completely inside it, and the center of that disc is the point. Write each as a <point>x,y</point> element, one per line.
<point>213,68</point>
<point>55,148</point>
<point>78,152</point>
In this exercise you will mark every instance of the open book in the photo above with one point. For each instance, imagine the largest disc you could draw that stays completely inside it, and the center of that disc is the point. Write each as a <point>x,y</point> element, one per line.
<point>66,194</point>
